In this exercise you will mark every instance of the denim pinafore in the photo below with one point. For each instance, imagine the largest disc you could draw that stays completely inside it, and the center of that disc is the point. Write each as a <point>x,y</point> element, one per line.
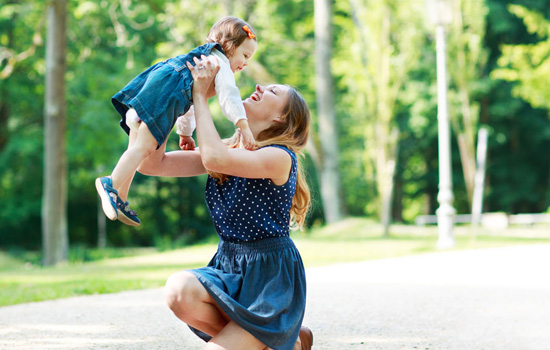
<point>161,93</point>
<point>257,276</point>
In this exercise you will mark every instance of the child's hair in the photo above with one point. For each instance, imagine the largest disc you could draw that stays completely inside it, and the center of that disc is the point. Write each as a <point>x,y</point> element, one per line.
<point>230,32</point>
<point>294,134</point>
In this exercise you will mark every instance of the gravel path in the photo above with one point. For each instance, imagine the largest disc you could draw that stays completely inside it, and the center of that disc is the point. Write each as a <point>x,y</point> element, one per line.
<point>468,300</point>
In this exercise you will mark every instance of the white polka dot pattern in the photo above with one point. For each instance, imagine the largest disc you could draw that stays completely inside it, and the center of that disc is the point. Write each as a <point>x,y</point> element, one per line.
<point>250,209</point>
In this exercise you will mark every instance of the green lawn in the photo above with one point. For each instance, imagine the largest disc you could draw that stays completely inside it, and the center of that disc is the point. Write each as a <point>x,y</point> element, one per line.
<point>353,239</point>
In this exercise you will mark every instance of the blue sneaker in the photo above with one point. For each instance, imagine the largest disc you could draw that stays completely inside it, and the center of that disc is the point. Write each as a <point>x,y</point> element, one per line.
<point>108,195</point>
<point>125,214</point>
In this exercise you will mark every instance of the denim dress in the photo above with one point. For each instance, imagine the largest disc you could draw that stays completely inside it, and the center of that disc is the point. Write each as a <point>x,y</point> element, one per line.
<point>161,93</point>
<point>257,276</point>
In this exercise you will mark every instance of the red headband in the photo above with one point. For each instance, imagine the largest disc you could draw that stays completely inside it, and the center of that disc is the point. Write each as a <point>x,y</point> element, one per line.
<point>250,34</point>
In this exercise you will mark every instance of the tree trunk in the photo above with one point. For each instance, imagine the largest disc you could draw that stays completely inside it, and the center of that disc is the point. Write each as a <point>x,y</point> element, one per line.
<point>330,180</point>
<point>54,203</point>
<point>101,227</point>
<point>4,114</point>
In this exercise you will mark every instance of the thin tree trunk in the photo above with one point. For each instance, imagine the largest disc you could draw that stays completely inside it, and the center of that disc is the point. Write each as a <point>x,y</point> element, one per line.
<point>54,204</point>
<point>330,180</point>
<point>101,227</point>
<point>387,186</point>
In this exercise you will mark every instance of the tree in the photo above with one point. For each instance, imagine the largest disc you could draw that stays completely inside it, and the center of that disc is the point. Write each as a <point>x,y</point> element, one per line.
<point>54,204</point>
<point>528,65</point>
<point>387,47</point>
<point>328,134</point>
<point>467,60</point>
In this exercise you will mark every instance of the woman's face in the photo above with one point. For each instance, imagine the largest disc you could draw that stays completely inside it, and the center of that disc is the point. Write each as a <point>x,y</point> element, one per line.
<point>265,106</point>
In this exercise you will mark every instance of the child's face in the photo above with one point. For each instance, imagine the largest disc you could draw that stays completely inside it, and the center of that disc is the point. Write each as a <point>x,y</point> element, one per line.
<point>239,59</point>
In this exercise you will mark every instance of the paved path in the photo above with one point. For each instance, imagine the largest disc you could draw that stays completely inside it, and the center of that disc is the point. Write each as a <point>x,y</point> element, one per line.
<point>468,300</point>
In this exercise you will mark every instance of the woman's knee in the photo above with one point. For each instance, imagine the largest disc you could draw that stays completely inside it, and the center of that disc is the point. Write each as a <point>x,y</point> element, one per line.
<point>181,290</point>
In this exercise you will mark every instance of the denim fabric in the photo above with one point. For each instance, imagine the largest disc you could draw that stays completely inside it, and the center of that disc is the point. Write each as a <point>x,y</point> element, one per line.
<point>161,93</point>
<point>261,286</point>
<point>257,276</point>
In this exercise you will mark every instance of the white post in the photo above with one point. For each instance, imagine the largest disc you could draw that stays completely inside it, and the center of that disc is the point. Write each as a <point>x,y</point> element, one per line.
<point>477,202</point>
<point>445,212</point>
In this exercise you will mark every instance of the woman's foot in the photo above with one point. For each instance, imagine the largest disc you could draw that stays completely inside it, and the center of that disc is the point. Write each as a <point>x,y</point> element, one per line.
<point>108,195</point>
<point>305,339</point>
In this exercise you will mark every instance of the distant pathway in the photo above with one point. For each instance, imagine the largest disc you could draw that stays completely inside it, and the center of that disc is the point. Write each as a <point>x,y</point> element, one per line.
<point>493,299</point>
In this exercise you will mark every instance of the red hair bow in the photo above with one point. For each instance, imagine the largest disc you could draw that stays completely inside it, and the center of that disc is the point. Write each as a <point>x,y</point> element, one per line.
<point>250,34</point>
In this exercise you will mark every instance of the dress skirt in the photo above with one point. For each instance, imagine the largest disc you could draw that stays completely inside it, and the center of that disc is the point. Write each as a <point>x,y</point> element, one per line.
<point>261,286</point>
<point>161,93</point>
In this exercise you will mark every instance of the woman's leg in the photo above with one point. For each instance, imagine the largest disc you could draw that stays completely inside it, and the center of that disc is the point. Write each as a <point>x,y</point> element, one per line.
<point>191,303</point>
<point>234,337</point>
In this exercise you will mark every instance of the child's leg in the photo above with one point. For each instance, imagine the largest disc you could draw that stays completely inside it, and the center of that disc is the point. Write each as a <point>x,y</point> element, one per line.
<point>143,146</point>
<point>125,187</point>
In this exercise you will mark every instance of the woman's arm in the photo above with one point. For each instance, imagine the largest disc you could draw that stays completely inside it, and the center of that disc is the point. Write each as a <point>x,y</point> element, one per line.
<point>172,164</point>
<point>272,163</point>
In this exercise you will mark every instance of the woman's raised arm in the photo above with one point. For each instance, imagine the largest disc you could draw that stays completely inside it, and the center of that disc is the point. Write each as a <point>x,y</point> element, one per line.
<point>271,163</point>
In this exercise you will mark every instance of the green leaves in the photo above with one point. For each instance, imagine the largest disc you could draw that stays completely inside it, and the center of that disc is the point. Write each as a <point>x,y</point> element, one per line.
<point>528,65</point>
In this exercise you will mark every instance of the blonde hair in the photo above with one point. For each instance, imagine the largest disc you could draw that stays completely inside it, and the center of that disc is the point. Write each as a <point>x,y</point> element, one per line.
<point>293,133</point>
<point>229,32</point>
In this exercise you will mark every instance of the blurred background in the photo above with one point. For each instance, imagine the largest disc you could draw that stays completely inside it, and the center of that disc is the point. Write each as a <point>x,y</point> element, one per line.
<point>378,157</point>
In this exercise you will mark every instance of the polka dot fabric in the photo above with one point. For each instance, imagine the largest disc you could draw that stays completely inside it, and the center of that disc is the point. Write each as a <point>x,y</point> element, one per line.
<point>245,210</point>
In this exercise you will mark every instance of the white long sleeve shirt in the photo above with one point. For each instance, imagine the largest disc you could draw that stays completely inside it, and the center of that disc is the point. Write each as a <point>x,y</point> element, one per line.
<point>229,97</point>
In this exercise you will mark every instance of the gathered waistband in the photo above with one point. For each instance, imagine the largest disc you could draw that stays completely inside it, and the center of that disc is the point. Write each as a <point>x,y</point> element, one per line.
<point>259,246</point>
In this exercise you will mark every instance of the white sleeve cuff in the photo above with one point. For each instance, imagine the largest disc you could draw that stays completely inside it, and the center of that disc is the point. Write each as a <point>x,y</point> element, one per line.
<point>186,124</point>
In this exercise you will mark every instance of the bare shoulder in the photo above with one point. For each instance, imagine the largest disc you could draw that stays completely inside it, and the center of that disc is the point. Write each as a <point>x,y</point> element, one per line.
<point>269,162</point>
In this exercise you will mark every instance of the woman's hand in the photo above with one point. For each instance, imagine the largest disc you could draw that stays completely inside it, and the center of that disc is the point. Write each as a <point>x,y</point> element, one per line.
<point>203,74</point>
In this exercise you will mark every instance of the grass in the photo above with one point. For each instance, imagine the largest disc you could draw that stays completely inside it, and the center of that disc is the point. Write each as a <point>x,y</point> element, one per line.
<point>23,280</point>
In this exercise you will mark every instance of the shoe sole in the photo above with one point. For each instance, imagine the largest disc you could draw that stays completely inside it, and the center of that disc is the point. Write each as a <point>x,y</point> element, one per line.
<point>108,209</point>
<point>126,220</point>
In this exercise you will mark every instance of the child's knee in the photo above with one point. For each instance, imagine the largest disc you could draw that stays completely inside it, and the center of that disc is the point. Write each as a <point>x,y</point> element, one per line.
<point>145,147</point>
<point>132,120</point>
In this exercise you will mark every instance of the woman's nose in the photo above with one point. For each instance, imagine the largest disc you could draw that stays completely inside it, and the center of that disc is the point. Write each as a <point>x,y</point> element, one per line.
<point>259,88</point>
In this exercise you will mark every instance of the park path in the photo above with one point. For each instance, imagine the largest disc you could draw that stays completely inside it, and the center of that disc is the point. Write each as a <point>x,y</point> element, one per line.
<point>469,300</point>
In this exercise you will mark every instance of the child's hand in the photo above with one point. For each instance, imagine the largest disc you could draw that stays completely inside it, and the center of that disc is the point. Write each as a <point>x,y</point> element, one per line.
<point>247,138</point>
<point>187,143</point>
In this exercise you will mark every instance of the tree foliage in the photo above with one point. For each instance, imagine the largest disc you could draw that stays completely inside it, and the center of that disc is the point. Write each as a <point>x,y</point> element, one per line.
<point>109,42</point>
<point>528,65</point>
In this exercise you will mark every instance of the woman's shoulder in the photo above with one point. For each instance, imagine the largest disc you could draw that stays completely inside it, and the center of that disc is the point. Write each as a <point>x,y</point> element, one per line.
<point>289,151</point>
<point>283,147</point>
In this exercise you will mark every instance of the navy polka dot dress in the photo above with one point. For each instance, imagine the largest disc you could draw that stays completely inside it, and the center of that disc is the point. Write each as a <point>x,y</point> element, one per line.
<point>257,276</point>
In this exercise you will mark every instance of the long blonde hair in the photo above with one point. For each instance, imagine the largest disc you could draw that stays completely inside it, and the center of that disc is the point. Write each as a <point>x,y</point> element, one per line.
<point>292,132</point>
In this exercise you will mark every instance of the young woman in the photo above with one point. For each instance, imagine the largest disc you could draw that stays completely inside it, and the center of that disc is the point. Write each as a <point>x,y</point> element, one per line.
<point>252,294</point>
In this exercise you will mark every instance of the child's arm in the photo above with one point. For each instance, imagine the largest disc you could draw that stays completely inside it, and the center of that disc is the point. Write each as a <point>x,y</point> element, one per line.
<point>247,139</point>
<point>185,125</point>
<point>231,103</point>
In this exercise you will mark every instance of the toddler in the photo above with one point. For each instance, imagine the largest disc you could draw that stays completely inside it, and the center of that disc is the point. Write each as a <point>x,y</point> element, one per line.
<point>152,102</point>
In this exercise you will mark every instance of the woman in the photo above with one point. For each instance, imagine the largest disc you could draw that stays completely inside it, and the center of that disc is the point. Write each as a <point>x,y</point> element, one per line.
<point>252,293</point>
